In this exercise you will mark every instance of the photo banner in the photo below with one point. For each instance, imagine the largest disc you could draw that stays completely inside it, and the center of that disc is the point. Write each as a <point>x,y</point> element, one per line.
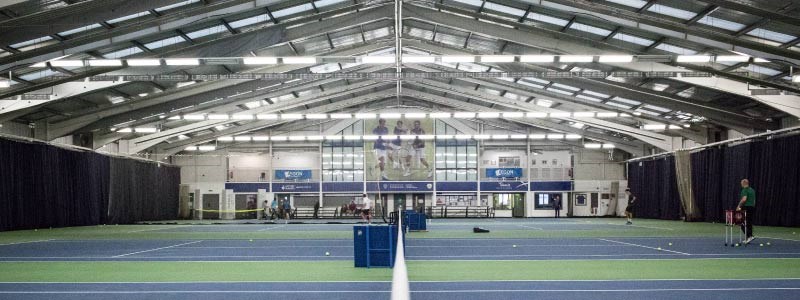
<point>399,159</point>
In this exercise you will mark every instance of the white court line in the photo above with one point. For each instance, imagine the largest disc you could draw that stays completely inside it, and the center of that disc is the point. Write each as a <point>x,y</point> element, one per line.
<point>262,247</point>
<point>389,281</point>
<point>431,291</point>
<point>530,227</point>
<point>154,229</point>
<point>271,228</point>
<point>26,242</point>
<point>518,245</point>
<point>639,226</point>
<point>648,247</point>
<point>772,238</point>
<point>156,249</point>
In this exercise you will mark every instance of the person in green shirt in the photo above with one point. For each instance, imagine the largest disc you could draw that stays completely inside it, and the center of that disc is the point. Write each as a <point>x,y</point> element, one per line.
<point>748,203</point>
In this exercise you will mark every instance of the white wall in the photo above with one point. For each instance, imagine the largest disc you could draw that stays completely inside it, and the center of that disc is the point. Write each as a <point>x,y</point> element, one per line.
<point>596,165</point>
<point>296,160</point>
<point>207,167</point>
<point>249,166</point>
<point>550,165</point>
<point>490,158</point>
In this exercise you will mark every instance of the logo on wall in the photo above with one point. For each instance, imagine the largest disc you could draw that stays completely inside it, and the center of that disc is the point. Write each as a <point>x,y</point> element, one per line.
<point>429,186</point>
<point>292,174</point>
<point>504,172</point>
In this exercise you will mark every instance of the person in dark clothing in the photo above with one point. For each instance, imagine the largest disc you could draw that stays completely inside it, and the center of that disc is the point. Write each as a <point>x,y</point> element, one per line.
<point>316,209</point>
<point>748,203</point>
<point>631,205</point>
<point>557,206</point>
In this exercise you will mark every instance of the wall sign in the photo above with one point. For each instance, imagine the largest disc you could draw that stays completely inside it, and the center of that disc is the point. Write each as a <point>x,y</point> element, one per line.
<point>299,187</point>
<point>500,186</point>
<point>504,172</point>
<point>342,187</point>
<point>551,185</point>
<point>399,186</point>
<point>455,186</point>
<point>292,174</point>
<point>246,187</point>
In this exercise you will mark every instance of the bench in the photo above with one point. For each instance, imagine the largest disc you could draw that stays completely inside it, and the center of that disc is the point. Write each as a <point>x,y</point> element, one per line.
<point>308,213</point>
<point>461,212</point>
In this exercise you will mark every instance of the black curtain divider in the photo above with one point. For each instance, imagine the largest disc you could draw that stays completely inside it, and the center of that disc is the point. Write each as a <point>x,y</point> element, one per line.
<point>45,186</point>
<point>142,191</point>
<point>654,183</point>
<point>707,169</point>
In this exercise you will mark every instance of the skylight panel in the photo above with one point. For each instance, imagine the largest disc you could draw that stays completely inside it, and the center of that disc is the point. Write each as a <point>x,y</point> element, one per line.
<point>179,4</point>
<point>596,94</point>
<point>631,3</point>
<point>652,113</point>
<point>123,53</point>
<point>165,42</point>
<point>206,31</point>
<point>79,29</point>
<point>566,87</point>
<point>377,33</point>
<point>633,39</point>
<point>530,84</point>
<point>628,101</point>
<point>720,23</point>
<point>323,3</point>
<point>249,21</point>
<point>590,29</point>
<point>675,49</point>
<point>534,79</point>
<point>326,68</point>
<point>292,10</point>
<point>470,2</point>
<point>547,19</point>
<point>671,11</point>
<point>504,9</point>
<point>128,17</point>
<point>560,91</point>
<point>619,105</point>
<point>31,42</point>
<point>762,70</point>
<point>38,75</point>
<point>656,108</point>
<point>771,35</point>
<point>593,99</point>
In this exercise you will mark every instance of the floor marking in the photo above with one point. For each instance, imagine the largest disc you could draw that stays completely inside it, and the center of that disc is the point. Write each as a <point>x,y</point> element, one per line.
<point>639,226</point>
<point>780,239</point>
<point>389,281</point>
<point>262,247</point>
<point>25,242</point>
<point>271,228</point>
<point>155,229</point>
<point>535,228</point>
<point>648,247</point>
<point>431,291</point>
<point>156,249</point>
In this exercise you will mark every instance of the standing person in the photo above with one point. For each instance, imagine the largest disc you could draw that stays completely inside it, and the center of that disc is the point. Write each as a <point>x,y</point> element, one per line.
<point>380,147</point>
<point>419,147</point>
<point>316,209</point>
<point>265,207</point>
<point>274,209</point>
<point>557,206</point>
<point>366,207</point>
<point>631,204</point>
<point>287,209</point>
<point>748,202</point>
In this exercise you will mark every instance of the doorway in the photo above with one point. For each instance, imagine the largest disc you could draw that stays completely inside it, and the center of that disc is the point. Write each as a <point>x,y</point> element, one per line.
<point>509,202</point>
<point>419,202</point>
<point>400,202</point>
<point>210,206</point>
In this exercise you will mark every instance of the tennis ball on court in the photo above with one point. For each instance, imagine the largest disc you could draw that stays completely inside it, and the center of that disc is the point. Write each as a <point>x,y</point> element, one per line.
<point>515,246</point>
<point>761,245</point>
<point>36,230</point>
<point>251,240</point>
<point>659,248</point>
<point>670,244</point>
<point>768,244</point>
<point>327,254</point>
<point>737,245</point>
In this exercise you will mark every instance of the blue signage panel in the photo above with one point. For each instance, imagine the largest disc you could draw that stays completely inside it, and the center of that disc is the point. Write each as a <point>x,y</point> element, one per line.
<point>292,174</point>
<point>295,187</point>
<point>503,172</point>
<point>342,187</point>
<point>456,186</point>
<point>247,187</point>
<point>551,185</point>
<point>503,186</point>
<point>400,186</point>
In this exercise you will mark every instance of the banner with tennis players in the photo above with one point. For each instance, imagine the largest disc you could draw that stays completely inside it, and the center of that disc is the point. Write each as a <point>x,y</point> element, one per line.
<point>399,154</point>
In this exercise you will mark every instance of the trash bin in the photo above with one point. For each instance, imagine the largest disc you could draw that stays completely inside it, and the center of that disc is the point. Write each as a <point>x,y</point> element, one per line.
<point>375,245</point>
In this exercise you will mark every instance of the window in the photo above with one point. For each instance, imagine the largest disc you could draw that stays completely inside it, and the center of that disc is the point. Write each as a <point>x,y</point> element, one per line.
<point>344,160</point>
<point>546,200</point>
<point>508,162</point>
<point>456,160</point>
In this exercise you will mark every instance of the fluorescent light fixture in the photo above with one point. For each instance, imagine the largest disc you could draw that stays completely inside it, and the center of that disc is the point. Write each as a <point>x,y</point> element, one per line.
<point>419,59</point>
<point>426,137</point>
<point>260,138</point>
<point>654,127</point>
<point>391,116</point>
<point>407,137</point>
<point>370,137</point>
<point>190,148</point>
<point>297,138</point>
<point>516,114</point>
<point>125,130</point>
<point>576,58</point>
<point>615,58</point>
<point>555,136</point>
<point>621,115</point>
<point>314,137</point>
<point>608,146</point>
<point>352,137</point>
<point>365,116</point>
<point>693,58</point>
<point>464,115</point>
<point>182,61</point>
<point>300,60</point>
<point>260,60</point>
<point>143,62</point>
<point>440,115</point>
<point>497,58</point>
<point>578,125</point>
<point>333,137</point>
<point>341,116</point>
<point>488,115</point>
<point>519,136</point>
<point>207,148</point>
<point>39,65</point>
<point>583,114</point>
<point>218,117</point>
<point>242,138</point>
<point>457,59</point>
<point>732,58</point>
<point>225,138</point>
<point>174,118</point>
<point>674,127</point>
<point>377,59</point>
<point>105,62</point>
<point>537,136</point>
<point>796,78</point>
<point>267,116</point>
<point>242,117</point>
<point>537,58</point>
<point>317,116</point>
<point>500,137</point>
<point>592,146</point>
<point>481,136</point>
<point>5,84</point>
<point>146,129</point>
<point>463,136</point>
<point>560,115</point>
<point>607,115</point>
<point>760,60</point>
<point>544,103</point>
<point>536,115</point>
<point>66,63</point>
<point>279,138</point>
<point>291,116</point>
<point>573,136</point>
<point>444,136</point>
<point>415,115</point>
<point>194,117</point>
